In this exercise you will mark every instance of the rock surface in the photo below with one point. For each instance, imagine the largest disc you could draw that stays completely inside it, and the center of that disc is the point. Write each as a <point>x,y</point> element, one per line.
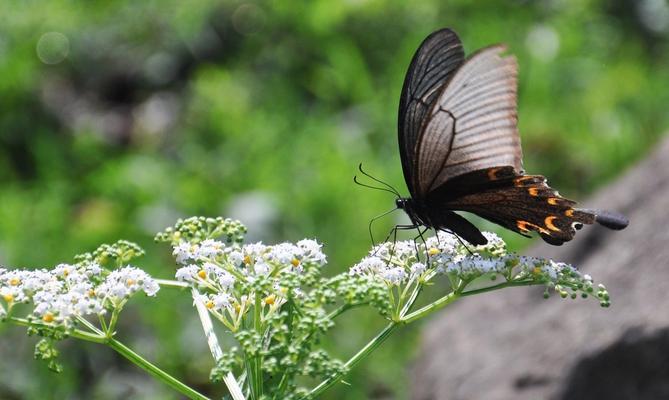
<point>513,344</point>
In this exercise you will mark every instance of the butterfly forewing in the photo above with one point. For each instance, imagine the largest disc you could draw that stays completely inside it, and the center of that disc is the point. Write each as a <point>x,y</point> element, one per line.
<point>436,59</point>
<point>473,124</point>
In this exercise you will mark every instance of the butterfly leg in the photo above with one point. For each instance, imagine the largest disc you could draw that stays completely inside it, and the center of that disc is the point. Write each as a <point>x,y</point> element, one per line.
<point>393,233</point>
<point>422,238</point>
<point>459,240</point>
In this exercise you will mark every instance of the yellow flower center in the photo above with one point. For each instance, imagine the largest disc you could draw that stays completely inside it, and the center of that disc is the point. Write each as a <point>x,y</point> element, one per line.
<point>202,274</point>
<point>269,300</point>
<point>247,260</point>
<point>8,297</point>
<point>237,307</point>
<point>91,293</point>
<point>14,281</point>
<point>130,282</point>
<point>295,262</point>
<point>536,270</point>
<point>48,317</point>
<point>209,304</point>
<point>433,251</point>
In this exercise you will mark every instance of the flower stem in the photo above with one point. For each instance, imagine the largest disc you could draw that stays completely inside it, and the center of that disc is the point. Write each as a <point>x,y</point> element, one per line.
<point>154,370</point>
<point>215,348</point>
<point>455,295</point>
<point>125,352</point>
<point>255,367</point>
<point>438,304</point>
<point>369,347</point>
<point>171,283</point>
<point>501,286</point>
<point>76,333</point>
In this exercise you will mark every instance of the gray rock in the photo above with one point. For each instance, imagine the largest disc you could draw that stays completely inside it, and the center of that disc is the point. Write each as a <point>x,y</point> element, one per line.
<point>513,344</point>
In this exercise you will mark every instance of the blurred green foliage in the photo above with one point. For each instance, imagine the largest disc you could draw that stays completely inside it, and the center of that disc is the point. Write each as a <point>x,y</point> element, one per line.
<point>117,117</point>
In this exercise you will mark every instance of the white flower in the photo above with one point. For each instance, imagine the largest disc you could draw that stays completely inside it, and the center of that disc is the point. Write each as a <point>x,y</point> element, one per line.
<point>210,248</point>
<point>93,270</point>
<point>282,253</point>
<point>150,287</point>
<point>225,279</point>
<point>184,252</point>
<point>375,267</point>
<point>187,273</point>
<point>394,276</point>
<point>235,257</point>
<point>221,300</point>
<point>417,269</point>
<point>445,242</point>
<point>122,283</point>
<point>254,250</point>
<point>211,268</point>
<point>261,268</point>
<point>311,251</point>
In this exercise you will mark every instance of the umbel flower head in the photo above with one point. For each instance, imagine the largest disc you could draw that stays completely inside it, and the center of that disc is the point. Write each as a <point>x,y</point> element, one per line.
<point>69,291</point>
<point>406,262</point>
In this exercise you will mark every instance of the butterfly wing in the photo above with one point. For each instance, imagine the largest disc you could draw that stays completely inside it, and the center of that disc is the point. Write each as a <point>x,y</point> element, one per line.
<point>432,65</point>
<point>473,124</point>
<point>521,203</point>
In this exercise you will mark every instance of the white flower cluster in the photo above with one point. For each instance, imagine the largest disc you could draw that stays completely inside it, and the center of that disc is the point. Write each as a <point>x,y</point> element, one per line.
<point>405,262</point>
<point>69,291</point>
<point>213,265</point>
<point>397,263</point>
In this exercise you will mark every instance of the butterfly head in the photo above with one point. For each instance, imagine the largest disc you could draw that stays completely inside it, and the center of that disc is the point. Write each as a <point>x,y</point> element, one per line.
<point>401,203</point>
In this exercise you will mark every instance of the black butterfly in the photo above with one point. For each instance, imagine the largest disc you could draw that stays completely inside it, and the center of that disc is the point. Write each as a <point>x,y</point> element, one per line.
<point>460,148</point>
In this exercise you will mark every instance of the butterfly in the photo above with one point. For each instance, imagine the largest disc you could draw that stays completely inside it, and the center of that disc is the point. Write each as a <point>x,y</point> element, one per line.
<point>460,149</point>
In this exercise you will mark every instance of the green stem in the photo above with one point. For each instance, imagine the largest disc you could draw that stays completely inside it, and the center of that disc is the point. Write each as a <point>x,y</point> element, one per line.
<point>345,307</point>
<point>500,286</point>
<point>453,296</point>
<point>155,371</point>
<point>369,347</point>
<point>90,326</point>
<point>114,319</point>
<point>125,352</point>
<point>442,302</point>
<point>256,361</point>
<point>76,333</point>
<point>412,299</point>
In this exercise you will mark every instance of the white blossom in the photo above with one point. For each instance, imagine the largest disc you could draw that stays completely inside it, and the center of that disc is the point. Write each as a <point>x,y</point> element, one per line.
<point>210,248</point>
<point>187,273</point>
<point>184,252</point>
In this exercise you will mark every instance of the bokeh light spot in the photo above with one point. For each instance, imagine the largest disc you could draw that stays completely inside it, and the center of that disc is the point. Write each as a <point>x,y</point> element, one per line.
<point>543,42</point>
<point>248,19</point>
<point>53,47</point>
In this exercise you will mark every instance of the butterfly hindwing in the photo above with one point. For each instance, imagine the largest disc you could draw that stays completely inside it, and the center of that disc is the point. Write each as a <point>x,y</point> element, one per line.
<point>521,203</point>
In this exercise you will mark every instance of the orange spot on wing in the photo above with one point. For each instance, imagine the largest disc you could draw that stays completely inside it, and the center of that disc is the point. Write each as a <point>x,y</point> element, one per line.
<point>527,226</point>
<point>553,201</point>
<point>519,181</point>
<point>522,225</point>
<point>549,223</point>
<point>533,191</point>
<point>492,174</point>
<point>569,213</point>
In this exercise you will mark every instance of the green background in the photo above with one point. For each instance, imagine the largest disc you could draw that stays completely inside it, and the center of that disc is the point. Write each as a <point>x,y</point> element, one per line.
<point>117,117</point>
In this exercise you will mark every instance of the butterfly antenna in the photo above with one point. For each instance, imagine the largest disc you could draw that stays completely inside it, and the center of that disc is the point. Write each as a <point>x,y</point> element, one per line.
<point>355,179</point>
<point>378,180</point>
